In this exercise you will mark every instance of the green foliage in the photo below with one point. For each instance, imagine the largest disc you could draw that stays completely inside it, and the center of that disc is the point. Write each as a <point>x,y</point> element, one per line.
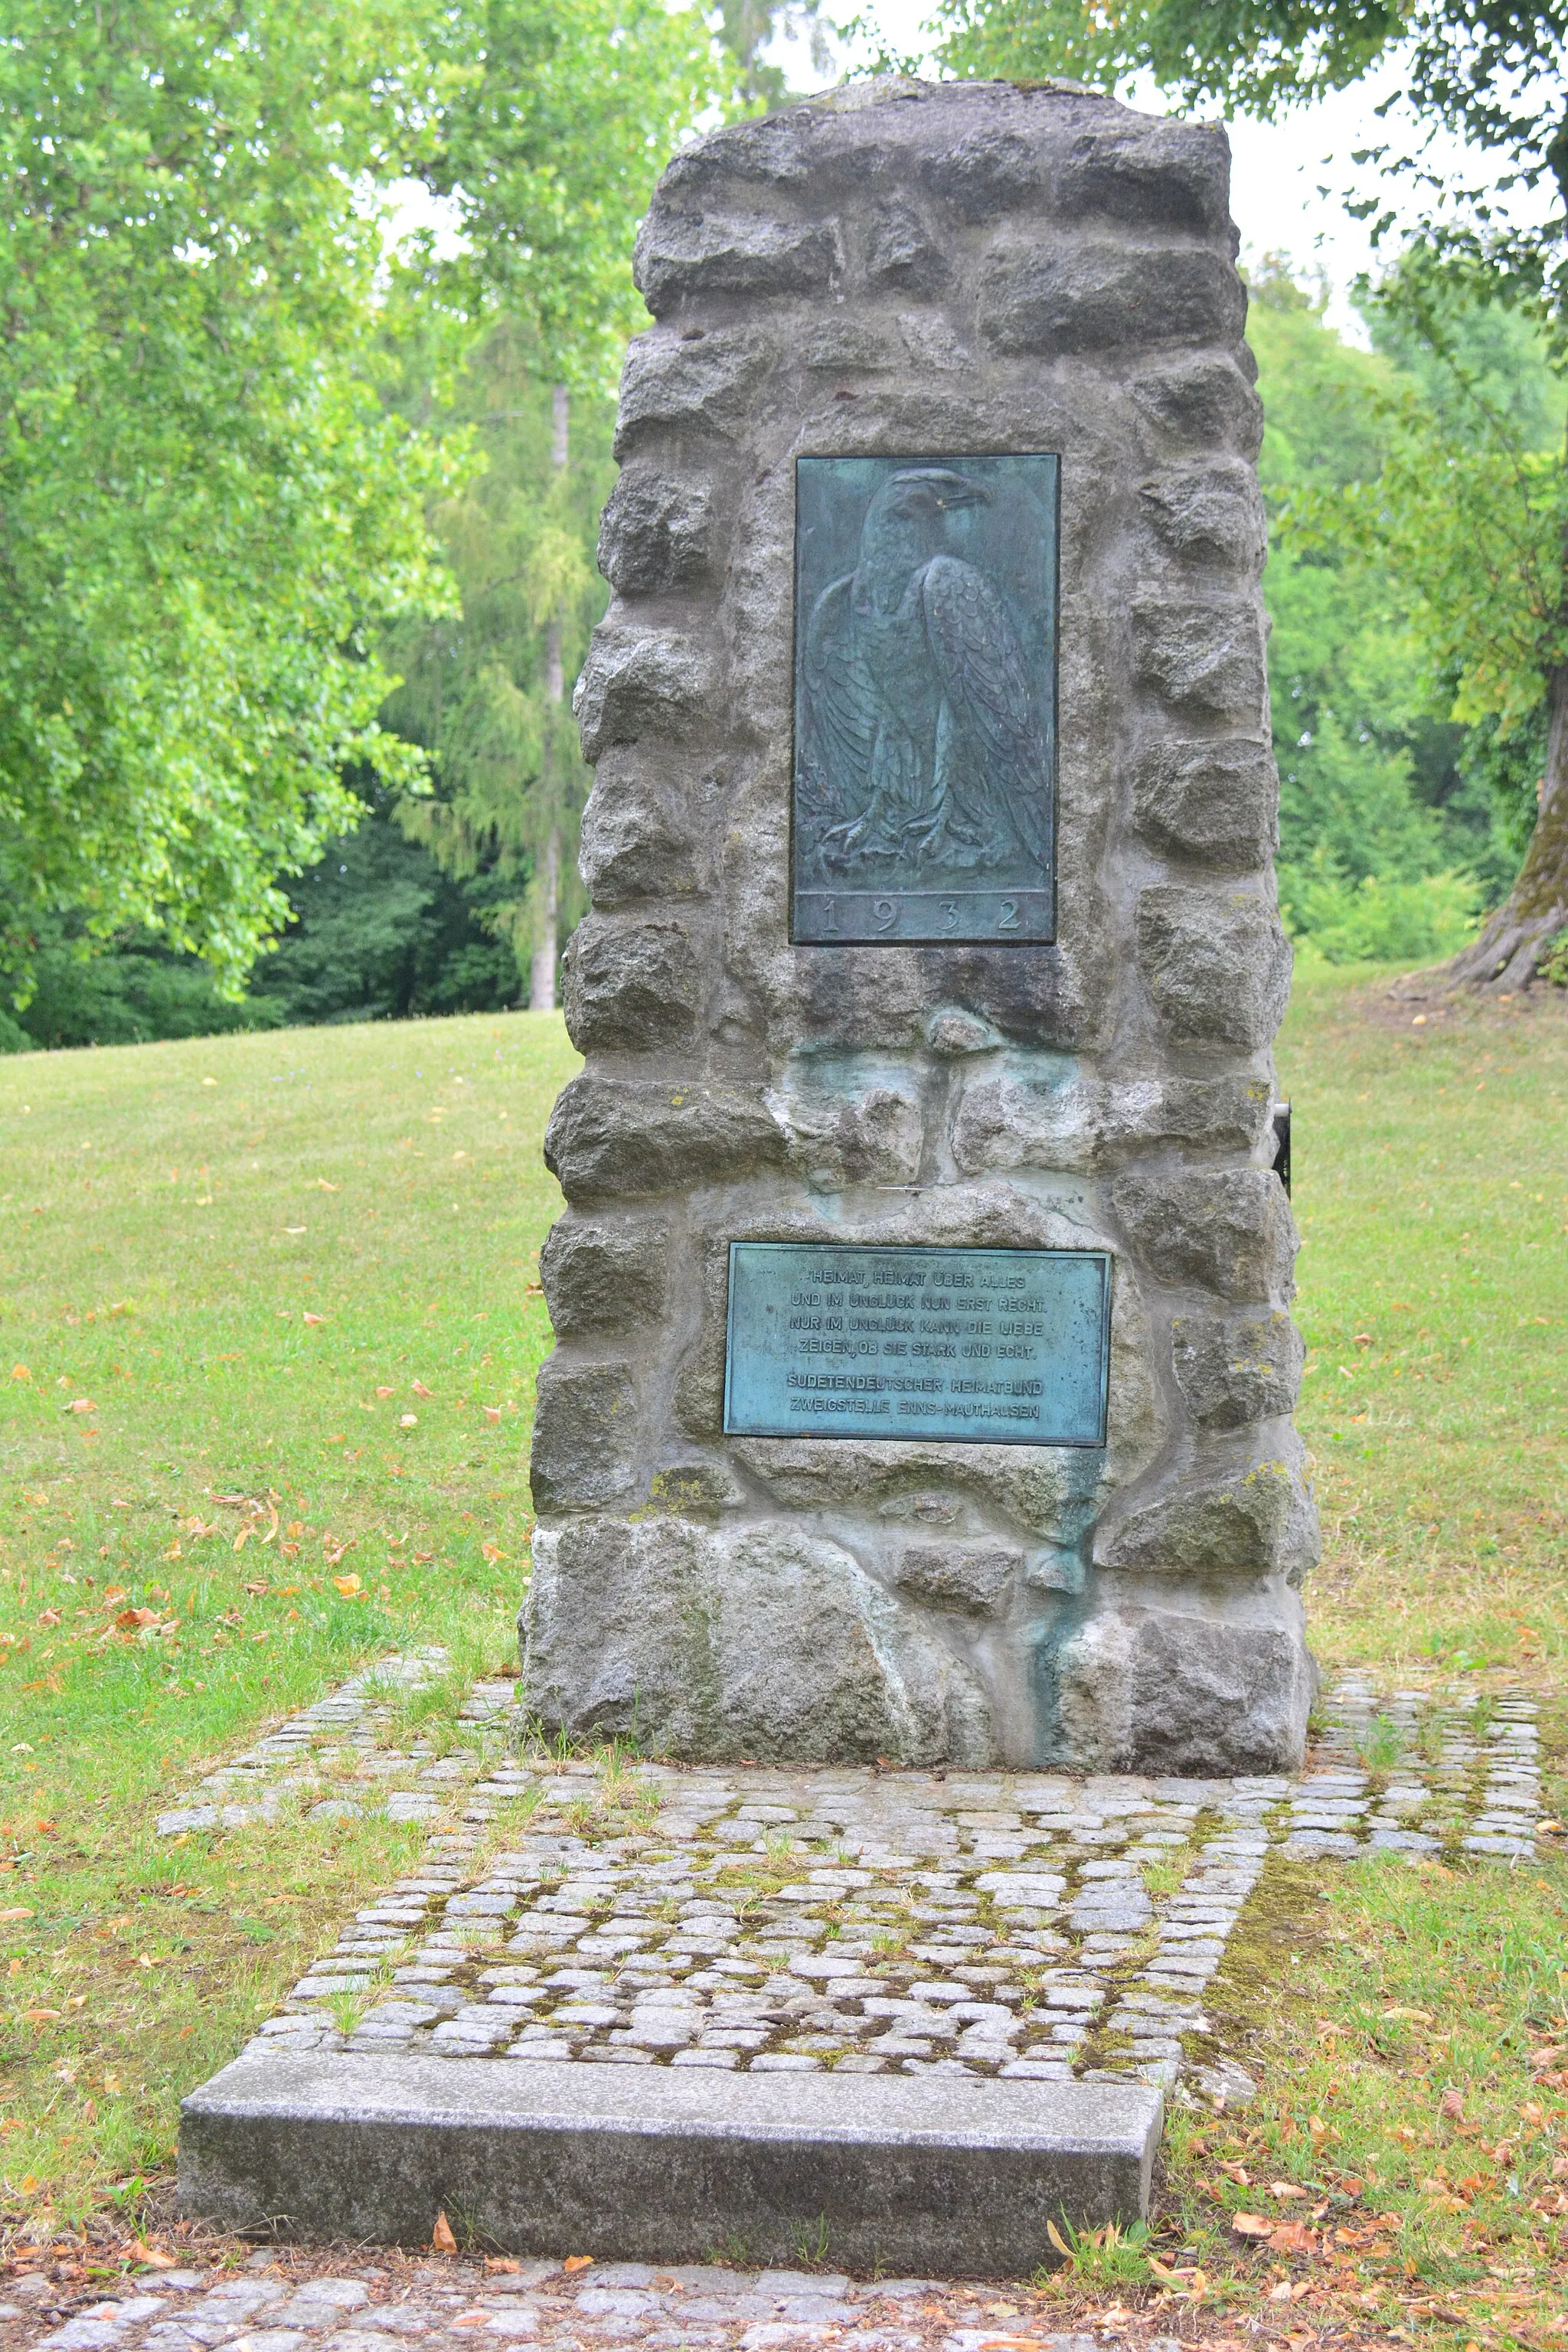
<point>381,934</point>
<point>557,118</point>
<point>1374,921</point>
<point>1252,53</point>
<point>1459,539</point>
<point>481,692</point>
<point>207,513</point>
<point>1389,838</point>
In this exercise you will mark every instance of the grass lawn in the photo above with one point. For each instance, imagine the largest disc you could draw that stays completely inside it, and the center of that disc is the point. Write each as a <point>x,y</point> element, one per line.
<point>268,1326</point>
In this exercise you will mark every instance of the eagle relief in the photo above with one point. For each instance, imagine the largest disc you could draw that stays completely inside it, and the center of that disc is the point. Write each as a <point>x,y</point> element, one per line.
<point>925,723</point>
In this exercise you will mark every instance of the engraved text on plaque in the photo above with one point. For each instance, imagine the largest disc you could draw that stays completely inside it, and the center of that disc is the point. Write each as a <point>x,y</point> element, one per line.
<point>993,1347</point>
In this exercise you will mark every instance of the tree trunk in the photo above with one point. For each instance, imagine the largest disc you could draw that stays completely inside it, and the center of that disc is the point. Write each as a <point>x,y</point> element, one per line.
<point>542,972</point>
<point>1503,959</point>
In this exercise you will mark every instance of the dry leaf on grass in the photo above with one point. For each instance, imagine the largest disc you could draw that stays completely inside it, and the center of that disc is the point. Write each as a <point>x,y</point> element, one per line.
<point>441,2236</point>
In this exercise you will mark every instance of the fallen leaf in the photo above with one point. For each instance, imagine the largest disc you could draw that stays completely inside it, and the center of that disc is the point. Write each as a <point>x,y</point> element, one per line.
<point>501,2262</point>
<point>1452,2103</point>
<point>1291,2237</point>
<point>493,1551</point>
<point>420,1390</point>
<point>1246,2225</point>
<point>1285,2189</point>
<point>383,1393</point>
<point>441,2236</point>
<point>130,1620</point>
<point>114,1593</point>
<point>408,1420</point>
<point>20,1372</point>
<point>315,1318</point>
<point>577,2262</point>
<point>348,1586</point>
<point>492,1413</point>
<point>323,1185</point>
<point>154,2257</point>
<point>39,2016</point>
<point>18,1911</point>
<point>1414,2016</point>
<point>82,1405</point>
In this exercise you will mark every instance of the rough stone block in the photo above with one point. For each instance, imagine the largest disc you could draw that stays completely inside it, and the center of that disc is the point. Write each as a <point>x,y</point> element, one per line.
<point>1204,656</point>
<point>638,683</point>
<point>1212,513</point>
<point>1213,802</point>
<point>585,1431</point>
<point>1236,1368</point>
<point>902,252</point>
<point>1204,403</point>
<point>699,382</point>
<point>656,533</point>
<point>982,173</point>
<point>976,1578</point>
<point>851,1122</point>
<point>1228,1231</point>
<point>604,1277</point>
<point>1222,1523</point>
<point>614,1136</point>
<point>1107,298</point>
<point>1164,1690</point>
<point>1217,964</point>
<point>682,258</point>
<point>1174,174</point>
<point>1038,1117</point>
<point>761,1642</point>
<point>630,987</point>
<point>631,845</point>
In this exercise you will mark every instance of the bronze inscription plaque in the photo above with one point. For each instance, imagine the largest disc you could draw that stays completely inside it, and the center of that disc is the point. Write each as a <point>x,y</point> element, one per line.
<point>925,699</point>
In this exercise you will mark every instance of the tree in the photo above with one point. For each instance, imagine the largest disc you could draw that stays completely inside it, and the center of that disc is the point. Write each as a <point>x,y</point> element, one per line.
<point>483,691</point>
<point>556,120</point>
<point>1496,74</point>
<point>1386,836</point>
<point>205,513</point>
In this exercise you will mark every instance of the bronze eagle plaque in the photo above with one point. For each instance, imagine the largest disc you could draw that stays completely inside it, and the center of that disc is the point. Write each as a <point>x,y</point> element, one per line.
<point>925,699</point>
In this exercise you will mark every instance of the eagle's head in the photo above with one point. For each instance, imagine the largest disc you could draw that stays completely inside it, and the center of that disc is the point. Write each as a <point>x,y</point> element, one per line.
<point>906,522</point>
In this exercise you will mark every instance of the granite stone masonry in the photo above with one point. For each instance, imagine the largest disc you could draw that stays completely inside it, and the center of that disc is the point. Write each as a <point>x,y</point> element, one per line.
<point>907,280</point>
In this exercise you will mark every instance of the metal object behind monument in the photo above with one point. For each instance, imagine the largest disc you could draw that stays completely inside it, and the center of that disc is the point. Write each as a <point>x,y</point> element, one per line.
<point>993,1347</point>
<point>925,690</point>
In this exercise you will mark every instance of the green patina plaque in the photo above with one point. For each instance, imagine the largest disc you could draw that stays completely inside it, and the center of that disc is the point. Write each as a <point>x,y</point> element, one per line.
<point>925,699</point>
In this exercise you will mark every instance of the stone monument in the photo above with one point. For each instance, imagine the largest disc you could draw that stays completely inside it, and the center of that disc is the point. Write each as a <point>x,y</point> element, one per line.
<point>923,1368</point>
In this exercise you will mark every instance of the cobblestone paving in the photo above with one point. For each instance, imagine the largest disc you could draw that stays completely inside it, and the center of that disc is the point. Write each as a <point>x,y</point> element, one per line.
<point>339,1746</point>
<point>288,2303</point>
<point>742,1918</point>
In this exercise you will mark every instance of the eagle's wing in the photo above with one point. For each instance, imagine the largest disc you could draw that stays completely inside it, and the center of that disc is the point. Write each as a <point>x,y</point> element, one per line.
<point>842,706</point>
<point>980,663</point>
